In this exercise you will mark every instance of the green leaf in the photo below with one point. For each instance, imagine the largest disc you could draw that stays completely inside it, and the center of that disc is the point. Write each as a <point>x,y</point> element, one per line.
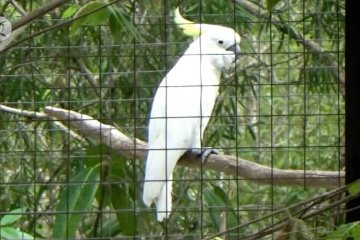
<point>70,11</point>
<point>120,199</point>
<point>94,154</point>
<point>271,3</point>
<point>225,198</point>
<point>354,188</point>
<point>216,197</point>
<point>13,233</point>
<point>93,18</point>
<point>116,30</point>
<point>214,201</point>
<point>120,195</point>
<point>294,196</point>
<point>77,197</point>
<point>120,22</point>
<point>98,18</point>
<point>12,217</point>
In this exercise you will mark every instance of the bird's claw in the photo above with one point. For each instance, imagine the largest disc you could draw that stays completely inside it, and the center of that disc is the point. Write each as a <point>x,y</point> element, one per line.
<point>204,153</point>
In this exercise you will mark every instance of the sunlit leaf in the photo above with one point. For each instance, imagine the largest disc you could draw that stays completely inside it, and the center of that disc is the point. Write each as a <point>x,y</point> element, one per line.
<point>70,11</point>
<point>13,233</point>
<point>91,15</point>
<point>11,217</point>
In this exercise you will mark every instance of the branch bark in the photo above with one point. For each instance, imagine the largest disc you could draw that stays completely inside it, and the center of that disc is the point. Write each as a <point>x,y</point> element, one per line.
<point>132,147</point>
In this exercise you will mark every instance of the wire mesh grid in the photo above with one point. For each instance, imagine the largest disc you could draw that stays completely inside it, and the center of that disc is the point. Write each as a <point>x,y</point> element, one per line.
<point>77,87</point>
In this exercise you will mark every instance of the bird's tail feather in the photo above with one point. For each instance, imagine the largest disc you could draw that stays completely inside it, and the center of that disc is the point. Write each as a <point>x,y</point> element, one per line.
<point>158,179</point>
<point>164,204</point>
<point>160,165</point>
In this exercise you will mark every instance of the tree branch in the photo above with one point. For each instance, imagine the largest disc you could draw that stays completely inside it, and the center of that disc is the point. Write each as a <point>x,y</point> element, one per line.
<point>18,7</point>
<point>93,129</point>
<point>24,113</point>
<point>21,24</point>
<point>312,46</point>
<point>27,19</point>
<point>9,45</point>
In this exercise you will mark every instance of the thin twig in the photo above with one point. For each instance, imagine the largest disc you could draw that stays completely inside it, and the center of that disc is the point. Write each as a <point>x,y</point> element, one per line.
<point>39,115</point>
<point>24,113</point>
<point>296,206</point>
<point>18,7</point>
<point>88,75</point>
<point>299,209</point>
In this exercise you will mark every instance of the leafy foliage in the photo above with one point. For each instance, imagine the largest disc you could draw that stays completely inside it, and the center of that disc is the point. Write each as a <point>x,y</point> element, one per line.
<point>76,198</point>
<point>346,231</point>
<point>283,107</point>
<point>7,232</point>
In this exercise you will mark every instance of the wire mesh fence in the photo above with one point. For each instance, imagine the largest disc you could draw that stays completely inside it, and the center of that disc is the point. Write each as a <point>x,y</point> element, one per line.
<point>77,87</point>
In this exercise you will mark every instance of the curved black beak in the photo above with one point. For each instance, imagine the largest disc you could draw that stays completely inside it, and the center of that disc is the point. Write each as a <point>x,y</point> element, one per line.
<point>235,49</point>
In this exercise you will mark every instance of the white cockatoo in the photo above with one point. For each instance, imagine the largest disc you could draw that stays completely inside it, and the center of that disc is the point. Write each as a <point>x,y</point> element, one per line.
<point>183,104</point>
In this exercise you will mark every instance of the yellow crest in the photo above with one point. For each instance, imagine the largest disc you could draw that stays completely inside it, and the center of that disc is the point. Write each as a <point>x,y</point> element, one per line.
<point>190,28</point>
<point>196,29</point>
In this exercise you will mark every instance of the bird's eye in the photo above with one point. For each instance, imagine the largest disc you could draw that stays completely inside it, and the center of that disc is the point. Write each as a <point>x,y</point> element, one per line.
<point>220,41</point>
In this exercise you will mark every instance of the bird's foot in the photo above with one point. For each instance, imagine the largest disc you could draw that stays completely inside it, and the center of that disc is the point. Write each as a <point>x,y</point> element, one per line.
<point>204,153</point>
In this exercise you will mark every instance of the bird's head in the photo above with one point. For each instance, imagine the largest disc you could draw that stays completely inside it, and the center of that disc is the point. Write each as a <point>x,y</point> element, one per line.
<point>220,43</point>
